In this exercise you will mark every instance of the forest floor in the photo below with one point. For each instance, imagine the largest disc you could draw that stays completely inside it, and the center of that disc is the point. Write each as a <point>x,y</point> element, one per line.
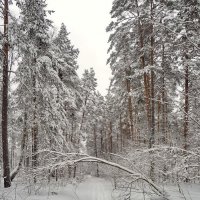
<point>91,189</point>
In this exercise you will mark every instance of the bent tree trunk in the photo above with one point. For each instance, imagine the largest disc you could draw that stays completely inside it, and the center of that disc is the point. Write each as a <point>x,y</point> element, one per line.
<point>137,176</point>
<point>6,167</point>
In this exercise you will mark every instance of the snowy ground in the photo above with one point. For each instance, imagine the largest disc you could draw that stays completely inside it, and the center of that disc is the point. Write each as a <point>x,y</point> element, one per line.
<point>91,189</point>
<point>185,192</point>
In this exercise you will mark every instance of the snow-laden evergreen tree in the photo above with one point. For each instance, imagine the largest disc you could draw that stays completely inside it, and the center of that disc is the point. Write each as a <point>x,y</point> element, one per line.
<point>189,17</point>
<point>48,86</point>
<point>154,49</point>
<point>66,49</point>
<point>33,45</point>
<point>65,61</point>
<point>89,84</point>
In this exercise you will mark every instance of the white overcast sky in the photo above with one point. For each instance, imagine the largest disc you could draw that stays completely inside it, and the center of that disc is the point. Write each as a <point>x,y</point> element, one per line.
<point>86,20</point>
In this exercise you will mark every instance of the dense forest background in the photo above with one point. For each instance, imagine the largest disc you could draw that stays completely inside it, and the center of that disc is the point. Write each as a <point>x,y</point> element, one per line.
<point>55,124</point>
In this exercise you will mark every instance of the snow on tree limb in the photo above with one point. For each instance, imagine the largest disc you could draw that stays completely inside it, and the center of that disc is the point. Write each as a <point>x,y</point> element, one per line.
<point>156,188</point>
<point>87,158</point>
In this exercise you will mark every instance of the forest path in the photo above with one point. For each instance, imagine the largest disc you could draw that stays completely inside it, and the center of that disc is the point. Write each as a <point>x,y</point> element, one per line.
<point>94,189</point>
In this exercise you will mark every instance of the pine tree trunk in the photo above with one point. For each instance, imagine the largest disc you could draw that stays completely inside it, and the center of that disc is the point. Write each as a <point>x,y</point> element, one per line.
<point>164,110</point>
<point>158,117</point>
<point>110,139</point>
<point>34,129</point>
<point>12,153</point>
<point>130,107</point>
<point>6,167</point>
<point>72,132</point>
<point>121,132</point>
<point>145,76</point>
<point>152,135</point>
<point>186,108</point>
<point>117,145</point>
<point>102,146</point>
<point>188,18</point>
<point>95,149</point>
<point>23,147</point>
<point>105,142</point>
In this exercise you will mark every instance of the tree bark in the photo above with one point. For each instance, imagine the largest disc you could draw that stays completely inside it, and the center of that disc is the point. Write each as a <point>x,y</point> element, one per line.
<point>23,146</point>
<point>95,149</point>
<point>121,132</point>
<point>130,107</point>
<point>110,138</point>
<point>158,116</point>
<point>102,145</point>
<point>152,134</point>
<point>186,108</point>
<point>34,128</point>
<point>164,110</point>
<point>6,167</point>
<point>187,4</point>
<point>145,76</point>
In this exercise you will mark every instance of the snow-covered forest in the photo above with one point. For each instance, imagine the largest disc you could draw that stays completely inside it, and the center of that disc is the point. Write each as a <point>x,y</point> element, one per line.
<point>62,139</point>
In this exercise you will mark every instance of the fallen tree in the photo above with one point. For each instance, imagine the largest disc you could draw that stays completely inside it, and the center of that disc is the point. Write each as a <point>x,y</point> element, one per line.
<point>70,159</point>
<point>137,176</point>
<point>74,158</point>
